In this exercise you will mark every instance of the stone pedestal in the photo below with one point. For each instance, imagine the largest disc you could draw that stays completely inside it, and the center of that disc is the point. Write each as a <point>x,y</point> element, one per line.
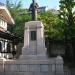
<point>34,55</point>
<point>34,48</point>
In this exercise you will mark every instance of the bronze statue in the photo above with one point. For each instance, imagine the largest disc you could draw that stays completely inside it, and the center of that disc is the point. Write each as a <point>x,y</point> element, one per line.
<point>33,9</point>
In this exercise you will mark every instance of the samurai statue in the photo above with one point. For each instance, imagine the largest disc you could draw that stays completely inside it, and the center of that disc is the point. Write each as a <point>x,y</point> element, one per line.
<point>33,8</point>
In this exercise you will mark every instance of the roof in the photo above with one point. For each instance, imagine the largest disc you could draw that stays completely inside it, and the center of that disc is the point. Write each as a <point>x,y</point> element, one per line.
<point>5,14</point>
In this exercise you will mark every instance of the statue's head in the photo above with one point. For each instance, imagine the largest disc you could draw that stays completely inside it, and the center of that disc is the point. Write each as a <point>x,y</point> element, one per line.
<point>33,1</point>
<point>35,6</point>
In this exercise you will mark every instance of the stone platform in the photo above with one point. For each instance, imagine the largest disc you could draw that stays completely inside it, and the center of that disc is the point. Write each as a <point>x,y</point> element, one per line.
<point>52,66</point>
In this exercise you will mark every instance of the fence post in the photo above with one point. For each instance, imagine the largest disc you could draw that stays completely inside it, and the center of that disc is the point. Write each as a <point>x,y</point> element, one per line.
<point>59,66</point>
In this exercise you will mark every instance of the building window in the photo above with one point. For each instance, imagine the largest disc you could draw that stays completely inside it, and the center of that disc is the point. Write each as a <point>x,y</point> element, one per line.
<point>33,35</point>
<point>8,48</point>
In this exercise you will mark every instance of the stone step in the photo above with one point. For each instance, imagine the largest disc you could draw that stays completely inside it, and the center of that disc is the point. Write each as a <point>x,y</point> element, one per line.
<point>33,52</point>
<point>33,57</point>
<point>14,62</point>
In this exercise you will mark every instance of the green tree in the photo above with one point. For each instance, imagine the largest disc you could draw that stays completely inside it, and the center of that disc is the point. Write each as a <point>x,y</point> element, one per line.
<point>67,16</point>
<point>19,15</point>
<point>52,25</point>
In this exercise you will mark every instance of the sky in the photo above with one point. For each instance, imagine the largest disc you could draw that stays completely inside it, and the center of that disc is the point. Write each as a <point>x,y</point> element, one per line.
<point>52,4</point>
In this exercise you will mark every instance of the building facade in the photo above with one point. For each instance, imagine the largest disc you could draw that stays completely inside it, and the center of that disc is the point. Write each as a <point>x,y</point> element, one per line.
<point>43,9</point>
<point>8,41</point>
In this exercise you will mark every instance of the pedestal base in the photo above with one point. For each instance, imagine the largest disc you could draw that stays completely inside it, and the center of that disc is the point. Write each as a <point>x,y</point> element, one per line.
<point>28,54</point>
<point>51,66</point>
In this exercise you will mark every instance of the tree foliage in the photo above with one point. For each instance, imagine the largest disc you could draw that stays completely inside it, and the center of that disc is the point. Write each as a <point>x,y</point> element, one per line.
<point>67,16</point>
<point>20,16</point>
<point>52,24</point>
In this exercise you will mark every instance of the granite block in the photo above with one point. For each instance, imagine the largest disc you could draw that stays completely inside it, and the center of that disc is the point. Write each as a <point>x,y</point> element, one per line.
<point>44,68</point>
<point>34,68</point>
<point>14,68</point>
<point>24,68</point>
<point>53,68</point>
